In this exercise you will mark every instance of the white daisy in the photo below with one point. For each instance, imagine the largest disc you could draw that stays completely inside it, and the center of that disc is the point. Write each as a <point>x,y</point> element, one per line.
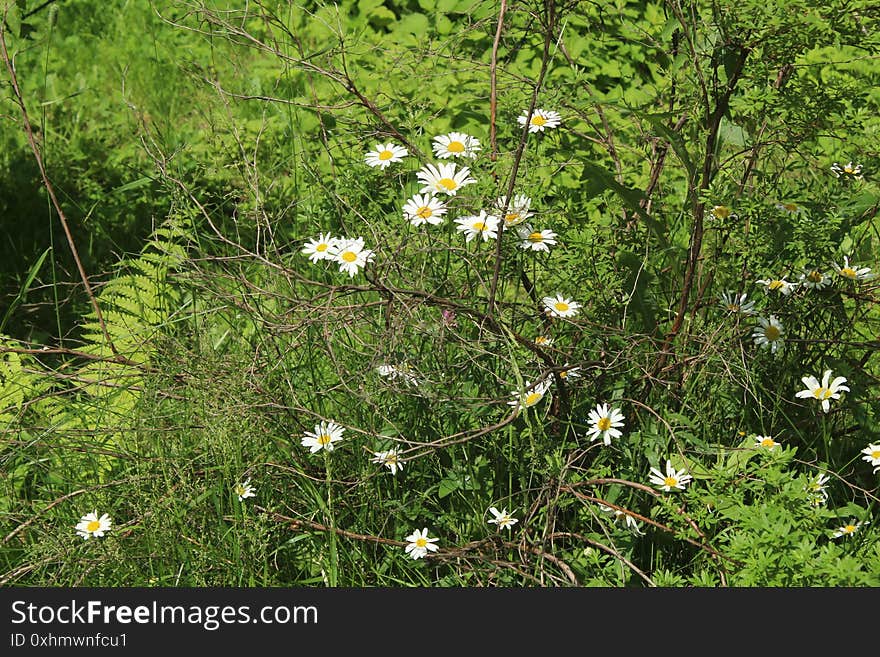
<point>530,395</point>
<point>570,373</point>
<point>777,285</point>
<point>543,341</point>
<point>424,208</point>
<point>536,240</point>
<point>722,212</point>
<point>455,144</point>
<point>848,170</point>
<point>483,225</point>
<point>560,306</point>
<point>384,154</point>
<point>630,522</point>
<point>516,211</point>
<point>443,179</point>
<point>403,371</point>
<point>766,442</point>
<point>244,490</point>
<point>91,525</point>
<point>824,391</point>
<point>323,437</point>
<point>817,494</point>
<point>604,422</point>
<point>769,333</point>
<point>813,279</point>
<point>848,529</point>
<point>540,120</point>
<point>320,248</point>
<point>736,303</point>
<point>419,544</point>
<point>851,272</point>
<point>671,479</point>
<point>872,455</point>
<point>790,208</point>
<point>389,458</point>
<point>502,518</point>
<point>351,255</point>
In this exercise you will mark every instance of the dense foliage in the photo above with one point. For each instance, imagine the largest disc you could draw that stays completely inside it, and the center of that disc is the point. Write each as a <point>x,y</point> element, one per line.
<point>557,335</point>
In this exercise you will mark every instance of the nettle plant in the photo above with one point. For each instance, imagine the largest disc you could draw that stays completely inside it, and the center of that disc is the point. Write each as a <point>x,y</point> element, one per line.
<point>556,293</point>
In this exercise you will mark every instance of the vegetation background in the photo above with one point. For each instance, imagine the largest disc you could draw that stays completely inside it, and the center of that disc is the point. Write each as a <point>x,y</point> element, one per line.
<point>163,338</point>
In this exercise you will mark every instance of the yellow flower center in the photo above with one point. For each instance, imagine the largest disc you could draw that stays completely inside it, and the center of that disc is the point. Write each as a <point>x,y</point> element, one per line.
<point>875,454</point>
<point>532,398</point>
<point>541,340</point>
<point>240,490</point>
<point>791,207</point>
<point>322,247</point>
<point>93,526</point>
<point>511,217</point>
<point>561,306</point>
<point>455,147</point>
<point>479,226</point>
<point>536,237</point>
<point>386,155</point>
<point>732,307</point>
<point>421,542</point>
<point>849,272</point>
<point>775,285</point>
<point>324,438</point>
<point>670,481</point>
<point>767,442</point>
<point>848,169</point>
<point>721,211</point>
<point>771,333</point>
<point>447,183</point>
<point>424,212</point>
<point>349,256</point>
<point>604,424</point>
<point>849,529</point>
<point>822,393</point>
<point>537,119</point>
<point>814,276</point>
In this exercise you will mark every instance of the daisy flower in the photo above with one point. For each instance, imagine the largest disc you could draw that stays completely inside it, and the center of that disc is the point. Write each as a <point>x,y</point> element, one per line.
<point>351,255</point>
<point>722,212</point>
<point>604,422</point>
<point>321,248</point>
<point>671,479</point>
<point>530,395</point>
<point>777,285</point>
<point>736,303</point>
<point>323,437</point>
<point>560,306</point>
<point>872,455</point>
<point>516,212</point>
<point>813,279</point>
<point>455,144</point>
<point>244,490</point>
<point>769,333</point>
<point>384,154</point>
<point>823,391</point>
<point>402,371</point>
<point>816,490</point>
<point>790,208</point>
<point>848,170</point>
<point>419,544</point>
<point>424,209</point>
<point>570,373</point>
<point>766,442</point>
<point>852,273</point>
<point>543,341</point>
<point>540,120</point>
<point>848,529</point>
<point>91,525</point>
<point>389,458</point>
<point>483,225</point>
<point>502,518</point>
<point>443,179</point>
<point>630,522</point>
<point>536,240</point>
